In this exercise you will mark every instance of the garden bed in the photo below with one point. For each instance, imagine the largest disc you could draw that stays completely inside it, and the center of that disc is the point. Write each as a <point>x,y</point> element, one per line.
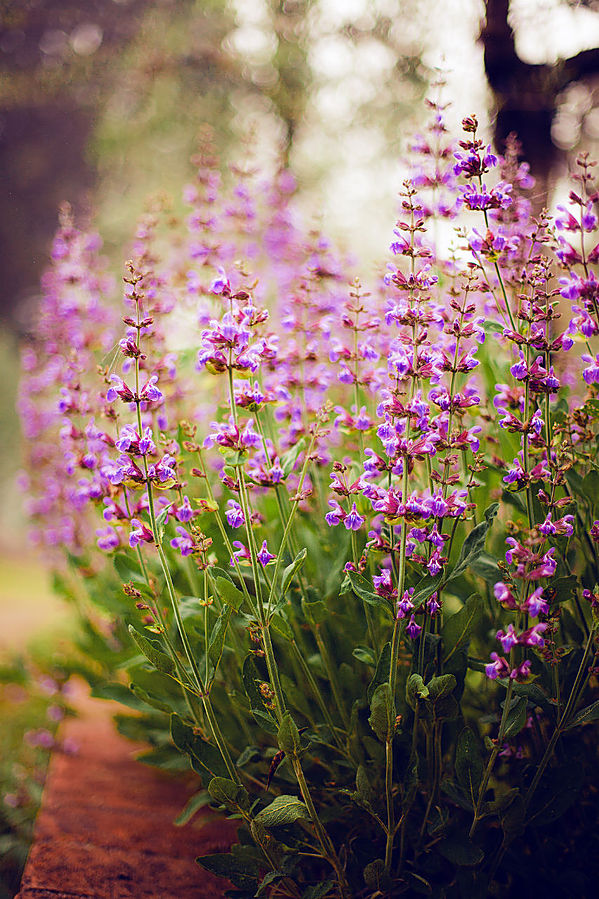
<point>105,828</point>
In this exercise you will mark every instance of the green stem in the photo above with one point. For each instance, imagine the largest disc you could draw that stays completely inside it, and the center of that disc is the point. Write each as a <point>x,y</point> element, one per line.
<point>491,763</point>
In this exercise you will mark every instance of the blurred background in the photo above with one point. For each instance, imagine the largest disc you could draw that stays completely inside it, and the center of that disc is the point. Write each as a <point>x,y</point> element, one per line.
<point>102,101</point>
<point>101,104</point>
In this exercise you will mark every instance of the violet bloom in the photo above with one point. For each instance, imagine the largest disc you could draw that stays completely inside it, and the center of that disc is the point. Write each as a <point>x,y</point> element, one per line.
<point>108,539</point>
<point>353,520</point>
<point>184,542</point>
<point>119,389</point>
<point>149,392</point>
<point>139,534</point>
<point>591,372</point>
<point>413,629</point>
<point>508,638</point>
<point>405,604</point>
<point>184,512</point>
<point>533,636</point>
<point>433,606</point>
<point>536,604</point>
<point>240,554</point>
<point>498,667</point>
<point>234,514</point>
<point>264,556</point>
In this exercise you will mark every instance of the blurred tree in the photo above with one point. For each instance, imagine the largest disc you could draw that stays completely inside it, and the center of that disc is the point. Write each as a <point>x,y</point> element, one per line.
<point>527,95</point>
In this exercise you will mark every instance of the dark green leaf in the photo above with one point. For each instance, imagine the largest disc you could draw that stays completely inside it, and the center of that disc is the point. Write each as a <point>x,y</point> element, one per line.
<point>152,701</point>
<point>128,569</point>
<point>516,718</point>
<point>319,890</point>
<point>415,690</point>
<point>440,687</point>
<point>364,654</point>
<point>282,810</point>
<point>469,765</point>
<point>474,544</point>
<point>315,612</point>
<point>376,877</point>
<point>591,713</point>
<point>291,570</point>
<point>228,793</point>
<point>158,658</point>
<point>194,804</point>
<point>366,592</point>
<point>119,693</point>
<point>557,791</point>
<point>224,865</point>
<point>229,593</point>
<point>205,757</point>
<point>457,629</point>
<point>487,568</point>
<point>425,589</point>
<point>458,849</point>
<point>382,713</point>
<point>216,643</point>
<point>382,670</point>
<point>288,736</point>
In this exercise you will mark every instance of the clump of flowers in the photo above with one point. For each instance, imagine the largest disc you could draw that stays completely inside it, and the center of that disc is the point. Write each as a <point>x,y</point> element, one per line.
<point>289,496</point>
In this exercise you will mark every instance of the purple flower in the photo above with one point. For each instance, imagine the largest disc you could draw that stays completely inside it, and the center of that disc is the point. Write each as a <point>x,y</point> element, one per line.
<point>108,539</point>
<point>184,542</point>
<point>536,604</point>
<point>405,604</point>
<point>413,629</point>
<point>264,556</point>
<point>139,534</point>
<point>240,554</point>
<point>591,372</point>
<point>508,638</point>
<point>184,512</point>
<point>353,521</point>
<point>498,667</point>
<point>119,389</point>
<point>234,514</point>
<point>149,392</point>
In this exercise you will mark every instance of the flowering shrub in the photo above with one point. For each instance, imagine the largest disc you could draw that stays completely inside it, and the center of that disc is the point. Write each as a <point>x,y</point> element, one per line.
<point>338,546</point>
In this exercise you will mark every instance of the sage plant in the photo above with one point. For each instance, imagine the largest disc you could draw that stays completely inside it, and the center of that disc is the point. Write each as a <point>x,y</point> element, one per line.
<point>336,543</point>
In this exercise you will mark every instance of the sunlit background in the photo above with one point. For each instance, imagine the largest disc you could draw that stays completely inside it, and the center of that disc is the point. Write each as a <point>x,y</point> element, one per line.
<point>101,104</point>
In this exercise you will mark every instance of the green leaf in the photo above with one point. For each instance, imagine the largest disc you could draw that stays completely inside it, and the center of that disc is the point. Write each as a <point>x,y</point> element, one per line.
<point>251,678</point>
<point>235,870</point>
<point>289,458</point>
<point>288,736</point>
<point>193,805</point>
<point>381,675</point>
<point>127,569</point>
<point>159,659</point>
<point>364,654</point>
<point>425,588</point>
<point>474,544</point>
<point>216,643</point>
<point>415,690</point>
<point>152,701</point>
<point>487,568</point>
<point>363,787</point>
<point>558,790</point>
<point>282,810</point>
<point>469,765</point>
<point>376,877</point>
<point>161,521</point>
<point>229,593</point>
<point>366,592</point>
<point>119,693</point>
<point>228,793</point>
<point>516,718</point>
<point>440,687</point>
<point>457,629</point>
<point>270,877</point>
<point>591,713</point>
<point>460,851</point>
<point>292,569</point>
<point>319,890</point>
<point>315,612</point>
<point>205,757</point>
<point>382,713</point>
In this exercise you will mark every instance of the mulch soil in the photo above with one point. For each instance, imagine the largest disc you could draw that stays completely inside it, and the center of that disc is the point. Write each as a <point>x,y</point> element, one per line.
<point>105,828</point>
